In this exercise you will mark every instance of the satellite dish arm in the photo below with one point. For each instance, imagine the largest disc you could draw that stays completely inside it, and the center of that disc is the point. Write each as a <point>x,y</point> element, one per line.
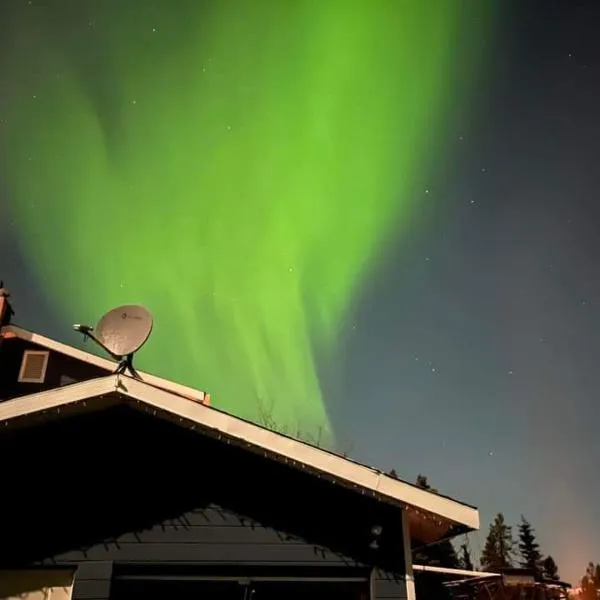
<point>86,330</point>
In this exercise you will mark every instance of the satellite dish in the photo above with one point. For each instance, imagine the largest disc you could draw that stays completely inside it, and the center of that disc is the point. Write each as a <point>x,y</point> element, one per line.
<point>124,330</point>
<point>120,333</point>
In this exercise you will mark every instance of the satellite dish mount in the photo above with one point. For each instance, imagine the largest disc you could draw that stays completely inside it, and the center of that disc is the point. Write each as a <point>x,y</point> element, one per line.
<point>121,332</point>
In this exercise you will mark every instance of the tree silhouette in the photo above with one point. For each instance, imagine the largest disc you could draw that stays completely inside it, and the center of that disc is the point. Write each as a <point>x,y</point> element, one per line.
<point>590,584</point>
<point>423,483</point>
<point>498,551</point>
<point>531,557</point>
<point>465,558</point>
<point>549,569</point>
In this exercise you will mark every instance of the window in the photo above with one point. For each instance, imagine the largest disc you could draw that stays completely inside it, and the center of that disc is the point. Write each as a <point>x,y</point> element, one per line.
<point>33,366</point>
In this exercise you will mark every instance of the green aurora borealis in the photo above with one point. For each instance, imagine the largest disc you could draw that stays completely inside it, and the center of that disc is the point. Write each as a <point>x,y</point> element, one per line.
<point>235,166</point>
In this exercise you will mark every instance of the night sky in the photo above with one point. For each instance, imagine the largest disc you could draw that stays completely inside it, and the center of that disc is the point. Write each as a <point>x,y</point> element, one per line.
<point>470,353</point>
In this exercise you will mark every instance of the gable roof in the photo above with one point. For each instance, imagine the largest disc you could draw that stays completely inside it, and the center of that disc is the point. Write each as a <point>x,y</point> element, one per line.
<point>188,407</point>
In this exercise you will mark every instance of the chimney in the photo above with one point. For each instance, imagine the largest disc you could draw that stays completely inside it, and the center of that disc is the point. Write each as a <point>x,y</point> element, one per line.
<point>6,311</point>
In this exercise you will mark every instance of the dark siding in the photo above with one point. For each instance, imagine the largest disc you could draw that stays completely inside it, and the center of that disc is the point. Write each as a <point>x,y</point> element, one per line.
<point>208,535</point>
<point>61,370</point>
<point>93,579</point>
<point>123,487</point>
<point>388,585</point>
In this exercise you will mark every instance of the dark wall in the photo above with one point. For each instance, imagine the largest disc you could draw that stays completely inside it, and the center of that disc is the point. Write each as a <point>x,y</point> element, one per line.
<point>61,370</point>
<point>121,487</point>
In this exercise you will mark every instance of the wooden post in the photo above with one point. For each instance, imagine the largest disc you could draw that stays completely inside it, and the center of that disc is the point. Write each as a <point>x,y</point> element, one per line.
<point>408,569</point>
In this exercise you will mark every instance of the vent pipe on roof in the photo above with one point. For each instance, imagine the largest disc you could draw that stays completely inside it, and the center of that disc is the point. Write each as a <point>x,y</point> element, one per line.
<point>6,311</point>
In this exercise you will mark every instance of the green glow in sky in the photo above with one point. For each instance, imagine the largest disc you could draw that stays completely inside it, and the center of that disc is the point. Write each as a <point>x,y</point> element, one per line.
<point>234,166</point>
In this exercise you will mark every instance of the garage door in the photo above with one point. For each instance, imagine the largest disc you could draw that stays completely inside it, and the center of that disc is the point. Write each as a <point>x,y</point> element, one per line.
<point>245,584</point>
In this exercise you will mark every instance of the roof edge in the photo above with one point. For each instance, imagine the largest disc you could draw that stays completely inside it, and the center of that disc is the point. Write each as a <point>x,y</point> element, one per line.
<point>24,406</point>
<point>335,467</point>
<point>302,452</point>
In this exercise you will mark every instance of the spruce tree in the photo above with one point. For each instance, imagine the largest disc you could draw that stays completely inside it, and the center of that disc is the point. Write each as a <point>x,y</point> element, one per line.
<point>531,557</point>
<point>499,546</point>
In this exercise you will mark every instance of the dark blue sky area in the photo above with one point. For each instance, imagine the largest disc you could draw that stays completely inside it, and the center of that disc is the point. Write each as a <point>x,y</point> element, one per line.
<point>475,347</point>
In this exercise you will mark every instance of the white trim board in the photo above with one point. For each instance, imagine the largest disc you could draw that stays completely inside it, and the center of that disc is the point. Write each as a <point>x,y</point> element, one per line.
<point>461,572</point>
<point>278,445</point>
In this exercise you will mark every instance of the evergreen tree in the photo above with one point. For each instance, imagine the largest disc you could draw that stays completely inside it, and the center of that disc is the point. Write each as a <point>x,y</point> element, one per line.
<point>465,557</point>
<point>549,569</point>
<point>499,546</point>
<point>423,483</point>
<point>590,584</point>
<point>531,557</point>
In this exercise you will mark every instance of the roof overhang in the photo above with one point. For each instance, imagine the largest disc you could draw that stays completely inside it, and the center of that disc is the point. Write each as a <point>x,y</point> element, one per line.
<point>431,516</point>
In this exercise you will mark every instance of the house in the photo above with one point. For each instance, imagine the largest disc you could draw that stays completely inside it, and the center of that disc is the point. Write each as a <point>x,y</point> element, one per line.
<point>118,487</point>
